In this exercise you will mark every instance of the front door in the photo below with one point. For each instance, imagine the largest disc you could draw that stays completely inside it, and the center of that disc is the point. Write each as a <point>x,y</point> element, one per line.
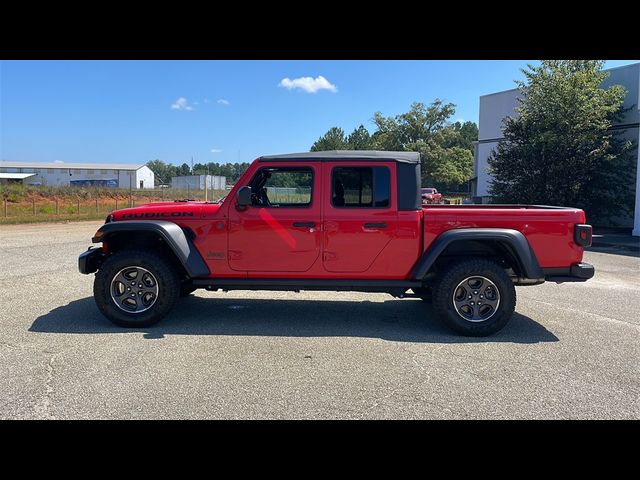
<point>280,231</point>
<point>360,217</point>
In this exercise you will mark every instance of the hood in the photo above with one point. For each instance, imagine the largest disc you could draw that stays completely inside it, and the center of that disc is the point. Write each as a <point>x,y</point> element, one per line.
<point>165,211</point>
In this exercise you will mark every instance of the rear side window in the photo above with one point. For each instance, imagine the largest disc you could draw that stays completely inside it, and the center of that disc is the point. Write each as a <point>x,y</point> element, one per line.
<point>360,187</point>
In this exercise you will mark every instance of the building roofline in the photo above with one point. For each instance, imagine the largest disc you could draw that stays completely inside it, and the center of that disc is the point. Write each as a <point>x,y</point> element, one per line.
<point>498,93</point>
<point>637,64</point>
<point>73,166</point>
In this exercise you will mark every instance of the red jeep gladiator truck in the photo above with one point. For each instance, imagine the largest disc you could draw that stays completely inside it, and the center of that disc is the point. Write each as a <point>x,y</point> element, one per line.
<point>338,221</point>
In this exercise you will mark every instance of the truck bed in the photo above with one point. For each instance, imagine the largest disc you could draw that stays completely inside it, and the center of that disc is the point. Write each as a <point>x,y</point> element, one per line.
<point>548,229</point>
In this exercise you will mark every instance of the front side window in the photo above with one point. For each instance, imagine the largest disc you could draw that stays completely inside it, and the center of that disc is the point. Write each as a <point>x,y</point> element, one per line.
<point>276,187</point>
<point>360,187</point>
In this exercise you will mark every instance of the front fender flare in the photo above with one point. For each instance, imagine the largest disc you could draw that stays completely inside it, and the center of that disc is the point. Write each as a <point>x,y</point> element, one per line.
<point>171,234</point>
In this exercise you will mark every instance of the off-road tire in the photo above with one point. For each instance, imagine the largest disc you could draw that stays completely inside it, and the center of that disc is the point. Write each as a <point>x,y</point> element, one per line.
<point>162,272</point>
<point>425,293</point>
<point>449,283</point>
<point>186,290</point>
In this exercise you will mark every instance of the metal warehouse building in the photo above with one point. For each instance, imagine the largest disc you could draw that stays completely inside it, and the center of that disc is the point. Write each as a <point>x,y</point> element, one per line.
<point>117,175</point>
<point>495,107</point>
<point>197,182</point>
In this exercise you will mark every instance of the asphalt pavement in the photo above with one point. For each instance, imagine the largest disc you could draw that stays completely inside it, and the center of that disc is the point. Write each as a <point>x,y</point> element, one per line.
<point>572,351</point>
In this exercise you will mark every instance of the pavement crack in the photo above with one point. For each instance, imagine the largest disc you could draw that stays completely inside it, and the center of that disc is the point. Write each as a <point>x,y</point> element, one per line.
<point>44,408</point>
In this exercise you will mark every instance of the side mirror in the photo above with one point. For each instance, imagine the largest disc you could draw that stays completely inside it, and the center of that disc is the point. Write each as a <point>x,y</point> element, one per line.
<point>244,197</point>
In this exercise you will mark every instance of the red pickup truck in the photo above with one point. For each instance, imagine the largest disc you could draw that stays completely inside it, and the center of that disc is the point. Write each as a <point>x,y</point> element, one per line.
<point>430,195</point>
<point>338,221</point>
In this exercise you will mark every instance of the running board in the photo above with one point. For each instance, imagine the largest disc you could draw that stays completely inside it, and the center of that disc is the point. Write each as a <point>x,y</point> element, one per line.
<point>394,287</point>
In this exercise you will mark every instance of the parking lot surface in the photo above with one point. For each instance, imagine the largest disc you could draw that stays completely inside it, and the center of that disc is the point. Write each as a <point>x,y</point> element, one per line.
<point>571,351</point>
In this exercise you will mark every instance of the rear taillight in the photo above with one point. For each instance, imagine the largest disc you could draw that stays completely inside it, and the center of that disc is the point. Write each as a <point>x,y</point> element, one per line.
<point>582,235</point>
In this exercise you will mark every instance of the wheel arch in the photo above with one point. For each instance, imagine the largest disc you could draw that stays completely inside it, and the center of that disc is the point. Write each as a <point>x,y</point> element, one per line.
<point>155,234</point>
<point>510,245</point>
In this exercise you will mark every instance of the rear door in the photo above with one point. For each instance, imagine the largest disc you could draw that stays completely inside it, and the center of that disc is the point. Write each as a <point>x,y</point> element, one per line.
<point>360,215</point>
<point>280,231</point>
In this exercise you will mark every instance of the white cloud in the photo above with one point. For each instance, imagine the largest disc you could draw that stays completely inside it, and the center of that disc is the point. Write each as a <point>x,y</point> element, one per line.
<point>181,104</point>
<point>308,84</point>
<point>216,150</point>
<point>58,161</point>
<point>222,101</point>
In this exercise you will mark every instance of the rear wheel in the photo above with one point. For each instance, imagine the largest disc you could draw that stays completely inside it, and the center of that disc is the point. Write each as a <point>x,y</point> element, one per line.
<point>425,293</point>
<point>475,297</point>
<point>136,288</point>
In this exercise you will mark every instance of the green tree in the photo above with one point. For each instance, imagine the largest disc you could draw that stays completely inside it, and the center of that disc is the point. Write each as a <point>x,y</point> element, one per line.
<point>446,149</point>
<point>447,158</point>
<point>359,139</point>
<point>559,150</point>
<point>468,133</point>
<point>162,171</point>
<point>334,139</point>
<point>183,170</point>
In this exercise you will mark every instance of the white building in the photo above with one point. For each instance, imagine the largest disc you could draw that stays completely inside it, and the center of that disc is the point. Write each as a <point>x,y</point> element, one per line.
<point>117,175</point>
<point>495,107</point>
<point>197,182</point>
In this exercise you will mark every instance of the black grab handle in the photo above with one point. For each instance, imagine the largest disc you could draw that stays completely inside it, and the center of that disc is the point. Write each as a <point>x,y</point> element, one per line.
<point>304,224</point>
<point>375,225</point>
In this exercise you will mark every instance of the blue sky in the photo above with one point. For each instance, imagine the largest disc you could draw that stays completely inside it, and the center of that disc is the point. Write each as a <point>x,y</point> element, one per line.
<point>135,111</point>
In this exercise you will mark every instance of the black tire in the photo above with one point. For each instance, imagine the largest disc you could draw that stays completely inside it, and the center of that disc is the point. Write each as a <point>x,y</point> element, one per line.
<point>459,279</point>
<point>425,293</point>
<point>186,290</point>
<point>162,273</point>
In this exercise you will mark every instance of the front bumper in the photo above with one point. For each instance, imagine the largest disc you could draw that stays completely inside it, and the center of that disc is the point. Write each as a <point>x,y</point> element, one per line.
<point>90,261</point>
<point>578,272</point>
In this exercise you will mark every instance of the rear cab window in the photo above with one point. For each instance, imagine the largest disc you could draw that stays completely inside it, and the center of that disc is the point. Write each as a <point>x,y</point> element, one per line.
<point>361,187</point>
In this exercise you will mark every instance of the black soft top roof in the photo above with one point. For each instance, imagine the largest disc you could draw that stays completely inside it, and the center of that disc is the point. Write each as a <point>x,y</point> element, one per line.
<point>332,155</point>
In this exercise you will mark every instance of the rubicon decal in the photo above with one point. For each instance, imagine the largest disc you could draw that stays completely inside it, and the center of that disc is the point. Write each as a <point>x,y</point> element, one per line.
<point>157,215</point>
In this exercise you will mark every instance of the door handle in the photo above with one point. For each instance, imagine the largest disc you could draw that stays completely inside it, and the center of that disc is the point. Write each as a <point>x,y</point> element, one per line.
<point>304,224</point>
<point>375,225</point>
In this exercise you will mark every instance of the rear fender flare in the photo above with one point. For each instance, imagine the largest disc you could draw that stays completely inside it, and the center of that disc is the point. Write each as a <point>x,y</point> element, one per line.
<point>514,240</point>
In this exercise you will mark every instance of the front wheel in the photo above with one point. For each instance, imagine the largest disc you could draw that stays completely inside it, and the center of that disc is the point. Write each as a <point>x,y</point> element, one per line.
<point>136,288</point>
<point>475,297</point>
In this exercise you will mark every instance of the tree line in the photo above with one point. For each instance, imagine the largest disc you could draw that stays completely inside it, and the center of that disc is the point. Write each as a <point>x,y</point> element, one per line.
<point>446,147</point>
<point>164,171</point>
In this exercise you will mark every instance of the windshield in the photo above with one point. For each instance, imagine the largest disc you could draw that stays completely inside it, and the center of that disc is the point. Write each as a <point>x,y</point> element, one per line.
<point>427,190</point>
